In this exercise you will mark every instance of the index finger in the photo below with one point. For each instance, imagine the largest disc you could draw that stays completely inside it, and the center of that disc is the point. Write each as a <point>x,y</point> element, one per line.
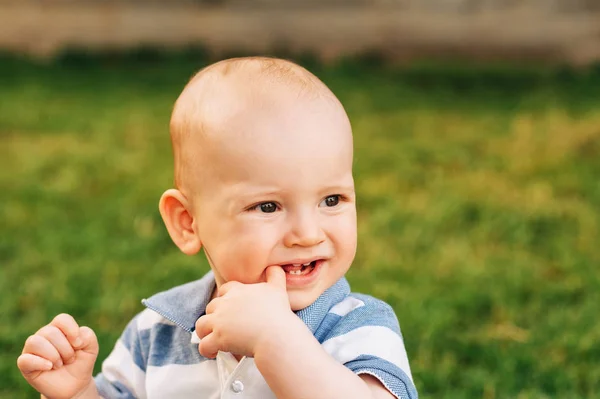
<point>67,324</point>
<point>276,276</point>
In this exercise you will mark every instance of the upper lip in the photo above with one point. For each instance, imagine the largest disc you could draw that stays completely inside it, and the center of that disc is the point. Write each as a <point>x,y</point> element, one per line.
<point>301,261</point>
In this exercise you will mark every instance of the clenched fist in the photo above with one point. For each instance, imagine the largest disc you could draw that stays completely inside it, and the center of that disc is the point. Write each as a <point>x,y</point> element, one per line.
<point>58,360</point>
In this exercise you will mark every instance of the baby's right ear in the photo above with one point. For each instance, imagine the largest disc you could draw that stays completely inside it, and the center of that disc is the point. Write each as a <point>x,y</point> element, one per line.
<point>177,214</point>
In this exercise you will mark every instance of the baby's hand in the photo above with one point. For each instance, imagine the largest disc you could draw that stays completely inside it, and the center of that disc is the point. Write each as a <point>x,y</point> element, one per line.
<point>244,316</point>
<point>58,360</point>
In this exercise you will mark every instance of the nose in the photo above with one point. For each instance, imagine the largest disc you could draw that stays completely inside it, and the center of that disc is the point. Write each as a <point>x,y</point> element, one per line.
<point>304,231</point>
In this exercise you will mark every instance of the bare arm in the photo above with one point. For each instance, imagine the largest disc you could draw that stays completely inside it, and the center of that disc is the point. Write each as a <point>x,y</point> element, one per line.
<point>90,392</point>
<point>295,366</point>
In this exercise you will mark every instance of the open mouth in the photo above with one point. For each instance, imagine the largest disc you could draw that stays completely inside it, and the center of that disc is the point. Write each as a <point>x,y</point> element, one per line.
<point>299,269</point>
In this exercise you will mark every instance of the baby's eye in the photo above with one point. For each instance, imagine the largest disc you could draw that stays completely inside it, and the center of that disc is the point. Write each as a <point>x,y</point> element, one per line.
<point>331,201</point>
<point>266,207</point>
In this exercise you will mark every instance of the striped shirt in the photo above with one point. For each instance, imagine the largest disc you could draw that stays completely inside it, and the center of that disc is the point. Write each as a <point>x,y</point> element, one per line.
<point>157,354</point>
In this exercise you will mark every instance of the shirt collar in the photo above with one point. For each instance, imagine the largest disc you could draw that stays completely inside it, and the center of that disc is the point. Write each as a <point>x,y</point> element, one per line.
<point>183,305</point>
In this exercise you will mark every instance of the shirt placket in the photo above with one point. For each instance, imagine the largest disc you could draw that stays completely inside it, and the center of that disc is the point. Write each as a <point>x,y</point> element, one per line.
<point>232,376</point>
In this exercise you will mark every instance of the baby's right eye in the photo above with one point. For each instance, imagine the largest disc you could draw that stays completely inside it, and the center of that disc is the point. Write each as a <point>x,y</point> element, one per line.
<point>266,207</point>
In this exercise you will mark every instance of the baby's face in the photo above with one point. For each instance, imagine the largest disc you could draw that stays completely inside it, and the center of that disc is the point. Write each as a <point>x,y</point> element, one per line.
<point>282,193</point>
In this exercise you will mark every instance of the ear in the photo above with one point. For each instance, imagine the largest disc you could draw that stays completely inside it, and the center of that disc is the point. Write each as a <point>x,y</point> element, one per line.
<point>178,217</point>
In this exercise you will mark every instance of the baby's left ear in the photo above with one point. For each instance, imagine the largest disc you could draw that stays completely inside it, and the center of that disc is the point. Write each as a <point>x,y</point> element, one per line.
<point>179,220</point>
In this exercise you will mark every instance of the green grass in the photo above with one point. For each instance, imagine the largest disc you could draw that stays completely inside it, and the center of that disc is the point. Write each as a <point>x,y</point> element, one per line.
<point>478,194</point>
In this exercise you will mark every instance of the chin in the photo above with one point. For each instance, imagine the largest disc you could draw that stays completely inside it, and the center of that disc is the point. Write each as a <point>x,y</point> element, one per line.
<point>301,300</point>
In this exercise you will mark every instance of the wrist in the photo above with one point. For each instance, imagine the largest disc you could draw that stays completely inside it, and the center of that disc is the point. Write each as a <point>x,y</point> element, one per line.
<point>89,392</point>
<point>289,330</point>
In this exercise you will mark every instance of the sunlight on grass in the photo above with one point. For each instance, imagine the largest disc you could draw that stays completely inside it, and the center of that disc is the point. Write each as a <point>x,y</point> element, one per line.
<point>478,218</point>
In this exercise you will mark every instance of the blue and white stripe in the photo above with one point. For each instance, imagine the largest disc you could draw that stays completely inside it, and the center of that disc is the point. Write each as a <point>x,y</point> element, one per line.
<point>157,354</point>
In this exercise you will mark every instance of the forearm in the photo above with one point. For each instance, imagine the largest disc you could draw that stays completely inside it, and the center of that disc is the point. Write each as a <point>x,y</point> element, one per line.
<point>296,367</point>
<point>90,392</point>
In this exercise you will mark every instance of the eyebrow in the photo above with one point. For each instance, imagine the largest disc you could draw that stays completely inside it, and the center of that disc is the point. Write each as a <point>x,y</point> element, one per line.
<point>339,187</point>
<point>342,184</point>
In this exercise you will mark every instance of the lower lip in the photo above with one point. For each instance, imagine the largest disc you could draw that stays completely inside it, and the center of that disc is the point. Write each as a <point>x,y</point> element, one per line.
<point>295,280</point>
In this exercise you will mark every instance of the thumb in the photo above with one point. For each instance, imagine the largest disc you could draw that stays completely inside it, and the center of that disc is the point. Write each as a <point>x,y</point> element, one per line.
<point>90,342</point>
<point>86,354</point>
<point>276,276</point>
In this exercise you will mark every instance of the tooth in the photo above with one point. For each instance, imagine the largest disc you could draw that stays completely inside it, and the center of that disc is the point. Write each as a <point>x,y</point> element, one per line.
<point>296,264</point>
<point>306,264</point>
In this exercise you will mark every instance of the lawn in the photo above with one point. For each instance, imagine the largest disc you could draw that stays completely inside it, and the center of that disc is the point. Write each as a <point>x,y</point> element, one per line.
<point>478,198</point>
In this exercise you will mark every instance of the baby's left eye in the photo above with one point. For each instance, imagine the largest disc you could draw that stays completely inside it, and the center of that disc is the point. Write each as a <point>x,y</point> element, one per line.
<point>331,201</point>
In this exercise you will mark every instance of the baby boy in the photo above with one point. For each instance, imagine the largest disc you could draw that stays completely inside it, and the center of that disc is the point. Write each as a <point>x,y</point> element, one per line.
<point>264,186</point>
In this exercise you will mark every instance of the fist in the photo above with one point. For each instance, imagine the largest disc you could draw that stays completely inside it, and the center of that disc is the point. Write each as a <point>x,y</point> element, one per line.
<point>58,360</point>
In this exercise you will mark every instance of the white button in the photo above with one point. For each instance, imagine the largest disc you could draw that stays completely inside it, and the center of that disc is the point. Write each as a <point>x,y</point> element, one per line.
<point>237,386</point>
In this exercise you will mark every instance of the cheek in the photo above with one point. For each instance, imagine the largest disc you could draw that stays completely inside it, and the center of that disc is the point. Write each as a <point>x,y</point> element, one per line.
<point>342,233</point>
<point>246,253</point>
<point>347,244</point>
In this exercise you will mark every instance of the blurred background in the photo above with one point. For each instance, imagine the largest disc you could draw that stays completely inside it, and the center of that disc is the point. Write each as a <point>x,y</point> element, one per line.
<point>477,167</point>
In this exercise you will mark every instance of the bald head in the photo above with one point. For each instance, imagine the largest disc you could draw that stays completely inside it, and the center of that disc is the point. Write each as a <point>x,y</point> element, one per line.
<point>230,101</point>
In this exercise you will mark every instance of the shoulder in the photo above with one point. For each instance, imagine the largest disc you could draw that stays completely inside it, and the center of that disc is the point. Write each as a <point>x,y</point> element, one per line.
<point>153,340</point>
<point>169,316</point>
<point>359,310</point>
<point>363,333</point>
<point>142,330</point>
<point>145,320</point>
